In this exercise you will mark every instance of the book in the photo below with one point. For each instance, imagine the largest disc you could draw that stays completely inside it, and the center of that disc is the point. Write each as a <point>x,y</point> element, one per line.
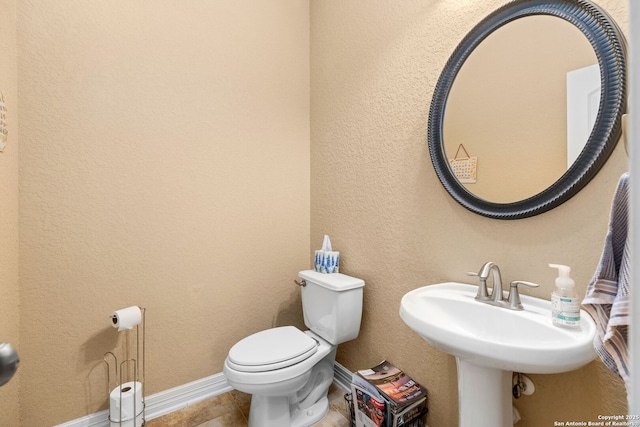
<point>396,387</point>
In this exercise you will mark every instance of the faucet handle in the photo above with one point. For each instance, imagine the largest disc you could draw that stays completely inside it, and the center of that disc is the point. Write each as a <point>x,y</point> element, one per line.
<point>483,294</point>
<point>514,294</point>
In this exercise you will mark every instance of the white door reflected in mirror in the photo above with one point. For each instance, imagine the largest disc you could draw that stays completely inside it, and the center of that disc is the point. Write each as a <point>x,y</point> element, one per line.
<point>583,103</point>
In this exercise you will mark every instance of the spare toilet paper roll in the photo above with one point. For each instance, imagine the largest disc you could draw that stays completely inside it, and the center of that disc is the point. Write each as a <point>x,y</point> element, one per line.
<point>125,401</point>
<point>126,318</point>
<point>128,423</point>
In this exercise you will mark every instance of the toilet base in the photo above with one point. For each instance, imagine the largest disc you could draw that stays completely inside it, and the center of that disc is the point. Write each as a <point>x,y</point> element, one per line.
<point>302,408</point>
<point>310,416</point>
<point>295,396</point>
<point>270,411</point>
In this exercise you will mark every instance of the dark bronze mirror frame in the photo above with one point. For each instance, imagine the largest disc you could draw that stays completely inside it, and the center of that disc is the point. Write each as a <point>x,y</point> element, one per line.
<point>609,45</point>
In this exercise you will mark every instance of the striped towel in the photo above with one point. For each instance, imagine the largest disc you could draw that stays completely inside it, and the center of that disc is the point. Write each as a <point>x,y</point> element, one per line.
<point>607,298</point>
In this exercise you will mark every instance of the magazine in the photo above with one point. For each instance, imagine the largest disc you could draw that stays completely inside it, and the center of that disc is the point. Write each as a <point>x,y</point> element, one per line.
<point>397,388</point>
<point>411,415</point>
<point>368,410</point>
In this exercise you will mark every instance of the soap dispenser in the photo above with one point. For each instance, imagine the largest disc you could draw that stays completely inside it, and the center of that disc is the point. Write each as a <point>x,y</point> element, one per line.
<point>565,305</point>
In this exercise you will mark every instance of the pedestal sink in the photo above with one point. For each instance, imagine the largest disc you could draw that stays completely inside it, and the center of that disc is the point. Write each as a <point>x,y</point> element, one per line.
<point>490,343</point>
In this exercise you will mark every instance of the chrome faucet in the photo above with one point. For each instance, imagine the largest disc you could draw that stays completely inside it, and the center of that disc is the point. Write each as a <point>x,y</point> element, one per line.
<point>496,297</point>
<point>483,293</point>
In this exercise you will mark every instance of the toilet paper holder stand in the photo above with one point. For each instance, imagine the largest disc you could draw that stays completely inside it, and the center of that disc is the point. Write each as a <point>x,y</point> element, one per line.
<point>131,368</point>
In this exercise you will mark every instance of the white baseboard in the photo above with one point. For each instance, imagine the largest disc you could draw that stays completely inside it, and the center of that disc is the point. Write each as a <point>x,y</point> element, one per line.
<point>164,402</point>
<point>342,376</point>
<point>180,397</point>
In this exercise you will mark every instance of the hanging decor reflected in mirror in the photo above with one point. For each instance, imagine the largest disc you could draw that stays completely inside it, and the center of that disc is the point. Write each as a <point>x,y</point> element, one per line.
<point>535,94</point>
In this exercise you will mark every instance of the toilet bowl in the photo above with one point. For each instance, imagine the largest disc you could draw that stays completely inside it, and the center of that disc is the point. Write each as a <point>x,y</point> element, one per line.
<point>289,384</point>
<point>287,371</point>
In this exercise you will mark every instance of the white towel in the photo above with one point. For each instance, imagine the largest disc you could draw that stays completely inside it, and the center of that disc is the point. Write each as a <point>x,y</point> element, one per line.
<point>607,298</point>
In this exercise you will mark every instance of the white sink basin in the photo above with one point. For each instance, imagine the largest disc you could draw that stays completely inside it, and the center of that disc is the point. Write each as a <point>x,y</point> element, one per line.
<point>491,342</point>
<point>449,318</point>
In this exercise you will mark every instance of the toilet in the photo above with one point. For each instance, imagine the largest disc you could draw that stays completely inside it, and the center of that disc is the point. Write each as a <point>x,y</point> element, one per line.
<point>288,371</point>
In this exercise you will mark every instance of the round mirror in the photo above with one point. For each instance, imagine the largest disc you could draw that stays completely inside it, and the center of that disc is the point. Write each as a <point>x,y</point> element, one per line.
<point>528,107</point>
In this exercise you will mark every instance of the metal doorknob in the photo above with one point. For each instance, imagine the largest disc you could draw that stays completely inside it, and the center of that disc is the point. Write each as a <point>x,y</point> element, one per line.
<point>9,361</point>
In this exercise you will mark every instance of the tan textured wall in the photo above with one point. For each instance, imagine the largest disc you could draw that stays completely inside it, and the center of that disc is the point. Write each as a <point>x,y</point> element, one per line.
<point>9,292</point>
<point>374,66</point>
<point>165,164</point>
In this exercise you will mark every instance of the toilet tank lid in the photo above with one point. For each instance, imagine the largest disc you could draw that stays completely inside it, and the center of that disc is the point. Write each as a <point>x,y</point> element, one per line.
<point>333,281</point>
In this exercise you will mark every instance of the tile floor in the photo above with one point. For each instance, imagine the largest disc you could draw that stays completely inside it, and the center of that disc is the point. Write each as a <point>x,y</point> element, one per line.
<point>232,409</point>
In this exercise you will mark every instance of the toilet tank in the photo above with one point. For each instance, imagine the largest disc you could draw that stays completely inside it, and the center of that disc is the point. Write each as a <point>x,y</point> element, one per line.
<point>332,305</point>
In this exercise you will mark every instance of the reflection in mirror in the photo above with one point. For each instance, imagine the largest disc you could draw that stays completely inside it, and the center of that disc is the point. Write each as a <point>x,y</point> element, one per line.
<point>508,106</point>
<point>606,40</point>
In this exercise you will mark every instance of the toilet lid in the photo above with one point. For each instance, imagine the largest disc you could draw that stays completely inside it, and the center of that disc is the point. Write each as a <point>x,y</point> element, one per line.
<point>272,349</point>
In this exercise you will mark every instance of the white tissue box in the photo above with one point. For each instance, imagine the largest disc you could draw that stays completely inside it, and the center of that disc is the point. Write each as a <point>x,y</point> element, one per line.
<point>327,262</point>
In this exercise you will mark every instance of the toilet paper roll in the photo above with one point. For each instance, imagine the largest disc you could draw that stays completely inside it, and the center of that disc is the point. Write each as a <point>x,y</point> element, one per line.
<point>128,423</point>
<point>126,318</point>
<point>126,402</point>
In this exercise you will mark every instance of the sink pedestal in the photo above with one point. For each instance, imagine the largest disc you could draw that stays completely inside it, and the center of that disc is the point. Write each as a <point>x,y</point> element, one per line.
<point>484,396</point>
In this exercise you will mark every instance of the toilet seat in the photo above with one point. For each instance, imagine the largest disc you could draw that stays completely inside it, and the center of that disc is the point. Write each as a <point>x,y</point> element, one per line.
<point>272,349</point>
